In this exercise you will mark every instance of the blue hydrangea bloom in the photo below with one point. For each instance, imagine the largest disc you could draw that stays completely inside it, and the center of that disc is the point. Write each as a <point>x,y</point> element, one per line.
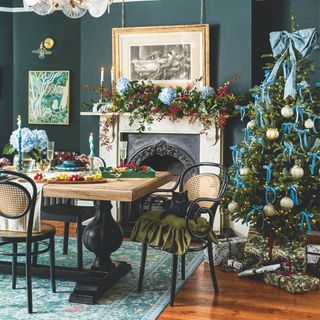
<point>122,86</point>
<point>206,92</point>
<point>167,95</point>
<point>30,140</point>
<point>40,139</point>
<point>27,140</point>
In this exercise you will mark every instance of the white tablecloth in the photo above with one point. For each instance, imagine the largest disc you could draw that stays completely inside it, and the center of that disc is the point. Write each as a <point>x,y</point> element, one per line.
<point>21,224</point>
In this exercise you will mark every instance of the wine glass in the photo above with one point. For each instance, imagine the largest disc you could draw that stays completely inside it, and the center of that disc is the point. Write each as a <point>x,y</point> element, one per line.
<point>50,152</point>
<point>123,151</point>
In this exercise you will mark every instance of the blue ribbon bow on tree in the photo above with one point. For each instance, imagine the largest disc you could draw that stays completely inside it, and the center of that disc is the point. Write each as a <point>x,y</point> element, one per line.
<point>265,85</point>
<point>247,135</point>
<point>299,112</point>
<point>304,85</point>
<point>303,140</point>
<point>259,140</point>
<point>305,217</point>
<point>282,42</point>
<point>274,192</point>
<point>242,111</point>
<point>236,153</point>
<point>259,116</point>
<point>294,194</point>
<point>315,157</point>
<point>268,173</point>
<point>289,148</point>
<point>287,127</point>
<point>255,209</point>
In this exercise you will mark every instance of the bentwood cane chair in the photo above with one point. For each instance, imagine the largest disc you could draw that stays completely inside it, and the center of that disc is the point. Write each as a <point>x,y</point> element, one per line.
<point>17,202</point>
<point>174,234</point>
<point>58,209</point>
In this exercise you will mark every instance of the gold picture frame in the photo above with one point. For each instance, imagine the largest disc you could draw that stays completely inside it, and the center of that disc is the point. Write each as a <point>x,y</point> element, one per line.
<point>175,55</point>
<point>49,97</point>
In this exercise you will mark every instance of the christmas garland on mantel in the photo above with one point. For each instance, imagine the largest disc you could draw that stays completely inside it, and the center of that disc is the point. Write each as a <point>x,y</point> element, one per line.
<point>147,102</point>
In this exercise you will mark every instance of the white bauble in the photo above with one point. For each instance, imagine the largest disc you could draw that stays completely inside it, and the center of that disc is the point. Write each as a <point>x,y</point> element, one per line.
<point>244,171</point>
<point>297,172</point>
<point>269,210</point>
<point>309,124</point>
<point>287,112</point>
<point>286,203</point>
<point>251,124</point>
<point>233,207</point>
<point>272,133</point>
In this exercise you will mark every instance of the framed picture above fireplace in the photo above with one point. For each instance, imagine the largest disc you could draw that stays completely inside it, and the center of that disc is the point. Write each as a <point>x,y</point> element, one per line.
<point>166,55</point>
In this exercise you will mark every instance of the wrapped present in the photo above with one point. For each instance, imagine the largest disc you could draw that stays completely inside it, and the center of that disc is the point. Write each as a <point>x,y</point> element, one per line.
<point>293,283</point>
<point>313,253</point>
<point>265,250</point>
<point>226,249</point>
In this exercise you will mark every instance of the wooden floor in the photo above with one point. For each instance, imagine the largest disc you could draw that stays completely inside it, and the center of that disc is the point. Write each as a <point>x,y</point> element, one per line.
<point>239,299</point>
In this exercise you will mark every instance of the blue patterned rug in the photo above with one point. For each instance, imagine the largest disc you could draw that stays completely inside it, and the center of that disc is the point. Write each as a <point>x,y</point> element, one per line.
<point>121,302</point>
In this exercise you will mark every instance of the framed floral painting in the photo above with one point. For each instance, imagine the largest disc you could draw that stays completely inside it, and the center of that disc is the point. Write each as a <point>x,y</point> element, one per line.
<point>49,97</point>
<point>166,55</point>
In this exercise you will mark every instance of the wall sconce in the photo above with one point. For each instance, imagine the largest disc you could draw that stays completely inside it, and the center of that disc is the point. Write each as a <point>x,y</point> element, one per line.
<point>44,48</point>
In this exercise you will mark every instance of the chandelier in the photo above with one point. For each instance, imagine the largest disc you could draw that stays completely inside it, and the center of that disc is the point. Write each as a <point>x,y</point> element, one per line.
<point>71,8</point>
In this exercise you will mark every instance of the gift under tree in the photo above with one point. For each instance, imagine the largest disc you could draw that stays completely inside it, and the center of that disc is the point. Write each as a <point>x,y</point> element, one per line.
<point>274,179</point>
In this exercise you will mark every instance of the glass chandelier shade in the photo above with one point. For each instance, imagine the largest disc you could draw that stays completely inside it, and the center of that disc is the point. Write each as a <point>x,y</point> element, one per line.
<point>71,8</point>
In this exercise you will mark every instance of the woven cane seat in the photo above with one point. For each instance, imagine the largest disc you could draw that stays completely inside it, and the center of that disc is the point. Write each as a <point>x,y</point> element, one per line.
<point>46,230</point>
<point>13,201</point>
<point>203,185</point>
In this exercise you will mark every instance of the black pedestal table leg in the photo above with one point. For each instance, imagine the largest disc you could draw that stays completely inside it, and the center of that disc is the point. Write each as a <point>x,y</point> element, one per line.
<point>102,236</point>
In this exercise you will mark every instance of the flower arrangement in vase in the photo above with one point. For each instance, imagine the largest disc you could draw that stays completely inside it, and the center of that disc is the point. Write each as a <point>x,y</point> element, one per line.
<point>33,143</point>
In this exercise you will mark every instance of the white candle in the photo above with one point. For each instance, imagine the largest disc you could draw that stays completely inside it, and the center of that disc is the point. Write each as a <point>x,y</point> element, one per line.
<point>91,145</point>
<point>112,74</point>
<point>102,75</point>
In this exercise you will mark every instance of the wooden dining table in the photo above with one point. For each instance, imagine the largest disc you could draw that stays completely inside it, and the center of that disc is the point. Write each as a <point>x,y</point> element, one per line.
<point>102,236</point>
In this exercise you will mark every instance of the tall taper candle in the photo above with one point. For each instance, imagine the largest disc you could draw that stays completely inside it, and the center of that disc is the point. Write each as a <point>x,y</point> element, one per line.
<point>112,74</point>
<point>102,76</point>
<point>91,145</point>
<point>19,144</point>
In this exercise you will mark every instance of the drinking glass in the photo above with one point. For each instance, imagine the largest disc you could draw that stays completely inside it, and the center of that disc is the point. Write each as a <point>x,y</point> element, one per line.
<point>123,151</point>
<point>50,152</point>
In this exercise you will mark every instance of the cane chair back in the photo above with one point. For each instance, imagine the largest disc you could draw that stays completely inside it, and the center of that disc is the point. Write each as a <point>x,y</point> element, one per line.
<point>203,185</point>
<point>16,201</point>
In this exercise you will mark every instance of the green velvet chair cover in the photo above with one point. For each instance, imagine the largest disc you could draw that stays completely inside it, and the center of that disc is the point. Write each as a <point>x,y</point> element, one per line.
<point>170,234</point>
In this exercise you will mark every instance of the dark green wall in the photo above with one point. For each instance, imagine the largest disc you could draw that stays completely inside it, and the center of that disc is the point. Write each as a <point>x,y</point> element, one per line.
<point>29,30</point>
<point>239,35</point>
<point>230,22</point>
<point>5,78</point>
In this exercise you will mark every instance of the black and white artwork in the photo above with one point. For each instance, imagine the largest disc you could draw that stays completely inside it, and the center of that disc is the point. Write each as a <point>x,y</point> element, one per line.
<point>171,62</point>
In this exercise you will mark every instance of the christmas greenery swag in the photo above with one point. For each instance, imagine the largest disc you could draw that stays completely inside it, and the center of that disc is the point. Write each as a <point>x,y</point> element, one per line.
<point>147,102</point>
<point>274,179</point>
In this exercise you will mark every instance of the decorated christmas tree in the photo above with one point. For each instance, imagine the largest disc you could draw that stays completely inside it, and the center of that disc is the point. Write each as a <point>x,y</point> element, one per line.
<point>274,180</point>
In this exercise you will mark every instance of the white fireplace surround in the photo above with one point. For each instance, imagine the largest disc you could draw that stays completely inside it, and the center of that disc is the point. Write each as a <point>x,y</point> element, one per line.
<point>210,147</point>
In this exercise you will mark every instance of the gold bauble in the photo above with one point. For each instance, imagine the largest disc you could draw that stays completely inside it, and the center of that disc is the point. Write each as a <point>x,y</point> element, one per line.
<point>272,134</point>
